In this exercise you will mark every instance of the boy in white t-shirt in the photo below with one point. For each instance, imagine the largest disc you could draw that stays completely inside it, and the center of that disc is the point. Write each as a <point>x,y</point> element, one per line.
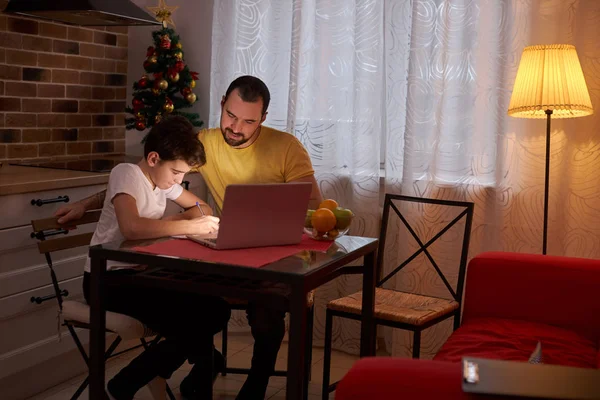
<point>133,209</point>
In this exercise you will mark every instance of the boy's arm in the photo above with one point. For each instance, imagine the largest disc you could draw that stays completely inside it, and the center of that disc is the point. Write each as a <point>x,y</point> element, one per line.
<point>71,212</point>
<point>187,200</point>
<point>134,227</point>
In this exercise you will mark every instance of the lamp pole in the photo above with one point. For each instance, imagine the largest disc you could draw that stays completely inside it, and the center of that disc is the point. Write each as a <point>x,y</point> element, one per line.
<point>547,181</point>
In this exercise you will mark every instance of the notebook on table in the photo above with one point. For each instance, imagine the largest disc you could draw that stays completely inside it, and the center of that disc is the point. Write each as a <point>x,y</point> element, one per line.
<point>258,215</point>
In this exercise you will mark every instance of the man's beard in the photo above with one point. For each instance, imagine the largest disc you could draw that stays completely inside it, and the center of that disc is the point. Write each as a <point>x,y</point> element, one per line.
<point>234,142</point>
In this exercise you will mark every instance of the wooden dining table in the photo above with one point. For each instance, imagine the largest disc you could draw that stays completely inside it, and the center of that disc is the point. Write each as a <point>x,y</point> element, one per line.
<point>284,284</point>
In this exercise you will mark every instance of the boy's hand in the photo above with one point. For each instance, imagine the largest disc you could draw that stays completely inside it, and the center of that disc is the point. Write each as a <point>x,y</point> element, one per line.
<point>69,212</point>
<point>204,225</point>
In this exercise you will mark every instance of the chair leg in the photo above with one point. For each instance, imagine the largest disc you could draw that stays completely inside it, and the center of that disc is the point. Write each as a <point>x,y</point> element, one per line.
<point>112,347</point>
<point>81,388</point>
<point>416,344</point>
<point>107,354</point>
<point>170,393</point>
<point>457,319</point>
<point>327,351</point>
<point>224,349</point>
<point>78,344</point>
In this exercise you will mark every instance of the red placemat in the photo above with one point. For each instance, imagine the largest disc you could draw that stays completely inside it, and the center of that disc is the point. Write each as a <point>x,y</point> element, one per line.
<point>253,257</point>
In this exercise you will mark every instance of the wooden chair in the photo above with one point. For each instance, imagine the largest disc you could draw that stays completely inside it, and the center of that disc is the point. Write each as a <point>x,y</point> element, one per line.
<point>397,309</point>
<point>75,314</point>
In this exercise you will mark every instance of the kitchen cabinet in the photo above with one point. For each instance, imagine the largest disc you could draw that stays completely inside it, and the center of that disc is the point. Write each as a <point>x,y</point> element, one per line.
<point>30,331</point>
<point>32,359</point>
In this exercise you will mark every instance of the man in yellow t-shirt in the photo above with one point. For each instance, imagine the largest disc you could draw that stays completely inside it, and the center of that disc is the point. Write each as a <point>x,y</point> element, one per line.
<point>242,150</point>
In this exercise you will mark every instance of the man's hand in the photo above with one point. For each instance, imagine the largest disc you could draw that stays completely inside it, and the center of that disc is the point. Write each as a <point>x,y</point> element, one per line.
<point>73,211</point>
<point>70,212</point>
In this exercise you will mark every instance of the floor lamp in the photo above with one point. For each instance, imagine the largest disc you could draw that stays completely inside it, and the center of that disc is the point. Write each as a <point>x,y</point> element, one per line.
<point>549,83</point>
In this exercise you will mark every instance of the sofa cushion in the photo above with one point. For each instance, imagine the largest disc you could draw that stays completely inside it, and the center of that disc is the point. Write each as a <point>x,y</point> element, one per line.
<point>383,378</point>
<point>514,340</point>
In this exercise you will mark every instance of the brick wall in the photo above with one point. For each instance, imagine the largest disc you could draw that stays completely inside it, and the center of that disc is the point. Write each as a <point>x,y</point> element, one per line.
<point>62,89</point>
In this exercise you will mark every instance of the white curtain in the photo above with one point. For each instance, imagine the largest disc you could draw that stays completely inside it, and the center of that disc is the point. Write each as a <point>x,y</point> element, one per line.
<point>410,96</point>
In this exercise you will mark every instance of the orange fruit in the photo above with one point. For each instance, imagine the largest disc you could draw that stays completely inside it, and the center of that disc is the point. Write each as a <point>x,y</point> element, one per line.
<point>323,220</point>
<point>329,203</point>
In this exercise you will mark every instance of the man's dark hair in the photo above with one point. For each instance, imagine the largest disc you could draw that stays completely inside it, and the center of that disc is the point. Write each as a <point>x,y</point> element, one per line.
<point>174,138</point>
<point>251,89</point>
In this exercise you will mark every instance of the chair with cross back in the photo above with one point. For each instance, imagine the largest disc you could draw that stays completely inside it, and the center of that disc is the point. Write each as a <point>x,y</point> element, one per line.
<point>404,310</point>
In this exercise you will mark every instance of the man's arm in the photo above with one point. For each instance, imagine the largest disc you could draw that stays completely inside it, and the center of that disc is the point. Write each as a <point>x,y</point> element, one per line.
<point>71,212</point>
<point>315,195</point>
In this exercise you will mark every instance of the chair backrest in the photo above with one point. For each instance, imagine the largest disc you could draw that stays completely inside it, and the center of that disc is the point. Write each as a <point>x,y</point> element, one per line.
<point>390,208</point>
<point>48,227</point>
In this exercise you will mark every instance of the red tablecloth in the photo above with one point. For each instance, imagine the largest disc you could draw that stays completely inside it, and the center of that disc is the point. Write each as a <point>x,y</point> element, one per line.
<point>253,257</point>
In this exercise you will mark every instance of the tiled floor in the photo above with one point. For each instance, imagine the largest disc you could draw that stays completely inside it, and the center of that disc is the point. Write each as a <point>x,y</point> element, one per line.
<point>240,353</point>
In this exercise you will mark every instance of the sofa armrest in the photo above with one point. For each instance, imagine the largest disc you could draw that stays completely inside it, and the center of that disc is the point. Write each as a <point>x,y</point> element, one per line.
<point>394,378</point>
<point>559,291</point>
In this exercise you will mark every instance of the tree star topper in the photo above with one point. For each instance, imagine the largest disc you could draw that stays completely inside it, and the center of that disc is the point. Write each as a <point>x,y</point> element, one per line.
<point>163,13</point>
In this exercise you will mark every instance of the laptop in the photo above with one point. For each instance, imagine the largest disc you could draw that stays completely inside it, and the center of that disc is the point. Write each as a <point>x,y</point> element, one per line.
<point>258,215</point>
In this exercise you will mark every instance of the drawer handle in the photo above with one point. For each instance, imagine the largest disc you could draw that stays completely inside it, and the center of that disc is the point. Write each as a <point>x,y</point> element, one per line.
<point>41,235</point>
<point>40,300</point>
<point>40,202</point>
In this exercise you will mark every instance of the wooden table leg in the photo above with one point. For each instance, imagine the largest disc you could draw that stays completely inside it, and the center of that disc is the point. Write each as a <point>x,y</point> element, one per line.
<point>97,329</point>
<point>297,344</point>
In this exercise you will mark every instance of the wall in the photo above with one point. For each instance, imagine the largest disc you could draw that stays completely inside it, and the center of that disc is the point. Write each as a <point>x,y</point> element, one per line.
<point>193,24</point>
<point>62,89</point>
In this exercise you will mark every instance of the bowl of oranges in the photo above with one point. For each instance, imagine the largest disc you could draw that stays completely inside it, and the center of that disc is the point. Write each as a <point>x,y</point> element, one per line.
<point>328,222</point>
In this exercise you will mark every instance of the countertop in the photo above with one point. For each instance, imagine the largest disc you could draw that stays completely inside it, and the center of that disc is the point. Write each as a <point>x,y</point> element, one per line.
<point>17,179</point>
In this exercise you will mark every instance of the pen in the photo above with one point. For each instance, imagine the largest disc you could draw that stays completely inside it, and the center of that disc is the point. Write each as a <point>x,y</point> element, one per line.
<point>200,208</point>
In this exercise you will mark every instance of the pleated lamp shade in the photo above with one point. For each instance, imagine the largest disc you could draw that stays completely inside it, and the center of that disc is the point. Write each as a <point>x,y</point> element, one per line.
<point>550,78</point>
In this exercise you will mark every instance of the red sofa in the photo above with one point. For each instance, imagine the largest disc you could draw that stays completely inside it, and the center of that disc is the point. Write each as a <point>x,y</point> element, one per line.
<point>512,300</point>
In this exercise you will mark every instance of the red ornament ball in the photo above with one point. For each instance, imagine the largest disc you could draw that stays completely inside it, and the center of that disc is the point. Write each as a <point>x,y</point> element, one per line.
<point>137,103</point>
<point>143,82</point>
<point>165,42</point>
<point>140,125</point>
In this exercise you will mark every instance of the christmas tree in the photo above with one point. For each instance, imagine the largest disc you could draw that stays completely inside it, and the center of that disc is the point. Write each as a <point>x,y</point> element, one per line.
<point>166,87</point>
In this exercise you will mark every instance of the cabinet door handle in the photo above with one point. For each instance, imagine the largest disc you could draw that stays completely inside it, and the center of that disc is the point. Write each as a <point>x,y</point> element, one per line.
<point>41,235</point>
<point>40,300</point>
<point>41,202</point>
